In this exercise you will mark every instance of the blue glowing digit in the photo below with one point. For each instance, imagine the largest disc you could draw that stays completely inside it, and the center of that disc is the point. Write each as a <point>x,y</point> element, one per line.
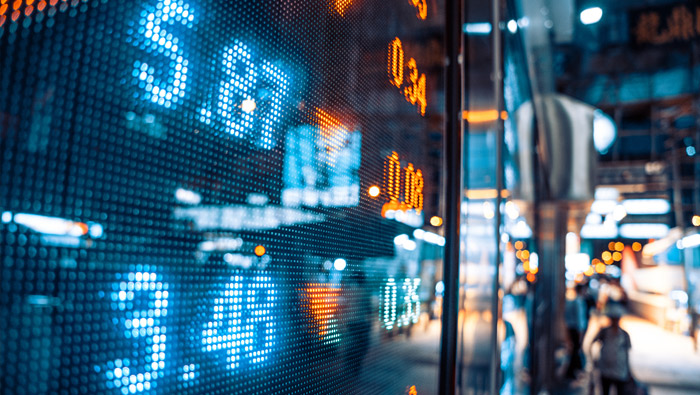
<point>273,91</point>
<point>237,88</point>
<point>260,326</point>
<point>411,302</point>
<point>242,325</point>
<point>163,87</point>
<point>143,301</point>
<point>248,101</point>
<point>388,304</point>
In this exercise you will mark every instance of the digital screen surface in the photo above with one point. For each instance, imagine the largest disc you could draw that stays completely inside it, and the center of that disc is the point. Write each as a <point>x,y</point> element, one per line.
<point>207,196</point>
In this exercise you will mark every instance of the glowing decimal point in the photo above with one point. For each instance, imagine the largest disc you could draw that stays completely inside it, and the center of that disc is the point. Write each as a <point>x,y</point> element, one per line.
<point>248,105</point>
<point>373,191</point>
<point>435,221</point>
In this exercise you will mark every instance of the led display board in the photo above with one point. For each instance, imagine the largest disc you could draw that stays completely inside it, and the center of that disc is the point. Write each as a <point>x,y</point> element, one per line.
<point>183,196</point>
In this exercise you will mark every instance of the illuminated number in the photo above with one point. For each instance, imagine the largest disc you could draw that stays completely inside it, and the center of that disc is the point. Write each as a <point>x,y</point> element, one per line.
<point>260,327</point>
<point>164,87</point>
<point>411,302</point>
<point>396,62</point>
<point>242,325</point>
<point>414,188</point>
<point>422,8</point>
<point>392,176</point>
<point>415,93</point>
<point>419,93</point>
<point>409,190</point>
<point>418,191</point>
<point>240,79</point>
<point>273,91</point>
<point>248,101</point>
<point>143,300</point>
<point>388,304</point>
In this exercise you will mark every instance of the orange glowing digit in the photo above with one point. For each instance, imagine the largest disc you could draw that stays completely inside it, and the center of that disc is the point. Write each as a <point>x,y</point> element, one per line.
<point>409,91</point>
<point>409,191</point>
<point>415,94</point>
<point>392,176</point>
<point>422,8</point>
<point>418,204</point>
<point>419,92</point>
<point>396,62</point>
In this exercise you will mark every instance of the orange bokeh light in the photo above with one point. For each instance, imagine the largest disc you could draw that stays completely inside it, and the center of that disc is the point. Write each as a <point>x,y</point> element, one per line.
<point>696,220</point>
<point>481,116</point>
<point>436,221</point>
<point>259,250</point>
<point>637,246</point>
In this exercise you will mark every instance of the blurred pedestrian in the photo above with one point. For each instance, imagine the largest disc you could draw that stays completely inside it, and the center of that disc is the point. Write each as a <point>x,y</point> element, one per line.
<point>614,354</point>
<point>576,317</point>
<point>611,293</point>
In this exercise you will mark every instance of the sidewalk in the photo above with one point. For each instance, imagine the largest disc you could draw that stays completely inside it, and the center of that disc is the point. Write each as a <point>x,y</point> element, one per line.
<point>663,360</point>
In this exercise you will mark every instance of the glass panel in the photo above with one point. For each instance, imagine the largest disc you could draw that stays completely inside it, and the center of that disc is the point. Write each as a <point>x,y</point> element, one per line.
<point>206,196</point>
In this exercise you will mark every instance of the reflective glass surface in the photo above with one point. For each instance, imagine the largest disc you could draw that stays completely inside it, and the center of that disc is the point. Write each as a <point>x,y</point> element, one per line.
<point>204,196</point>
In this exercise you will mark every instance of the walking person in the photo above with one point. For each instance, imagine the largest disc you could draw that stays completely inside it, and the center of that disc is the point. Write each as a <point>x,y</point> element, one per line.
<point>614,354</point>
<point>576,317</point>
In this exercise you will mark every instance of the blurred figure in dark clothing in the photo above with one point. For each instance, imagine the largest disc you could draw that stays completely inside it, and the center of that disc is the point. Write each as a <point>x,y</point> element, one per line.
<point>614,353</point>
<point>576,317</point>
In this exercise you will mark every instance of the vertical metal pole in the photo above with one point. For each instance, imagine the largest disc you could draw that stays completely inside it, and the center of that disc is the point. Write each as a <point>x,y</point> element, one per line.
<point>453,175</point>
<point>497,95</point>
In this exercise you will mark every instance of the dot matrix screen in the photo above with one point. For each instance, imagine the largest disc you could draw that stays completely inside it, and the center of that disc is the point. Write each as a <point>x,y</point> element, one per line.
<point>217,197</point>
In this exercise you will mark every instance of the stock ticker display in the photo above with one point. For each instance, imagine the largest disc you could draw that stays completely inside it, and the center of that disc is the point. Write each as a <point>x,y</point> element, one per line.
<point>214,196</point>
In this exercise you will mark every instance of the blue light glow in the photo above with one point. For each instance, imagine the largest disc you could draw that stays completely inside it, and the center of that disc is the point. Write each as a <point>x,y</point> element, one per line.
<point>409,307</point>
<point>242,325</point>
<point>165,88</point>
<point>388,304</point>
<point>411,302</point>
<point>143,301</point>
<point>248,99</point>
